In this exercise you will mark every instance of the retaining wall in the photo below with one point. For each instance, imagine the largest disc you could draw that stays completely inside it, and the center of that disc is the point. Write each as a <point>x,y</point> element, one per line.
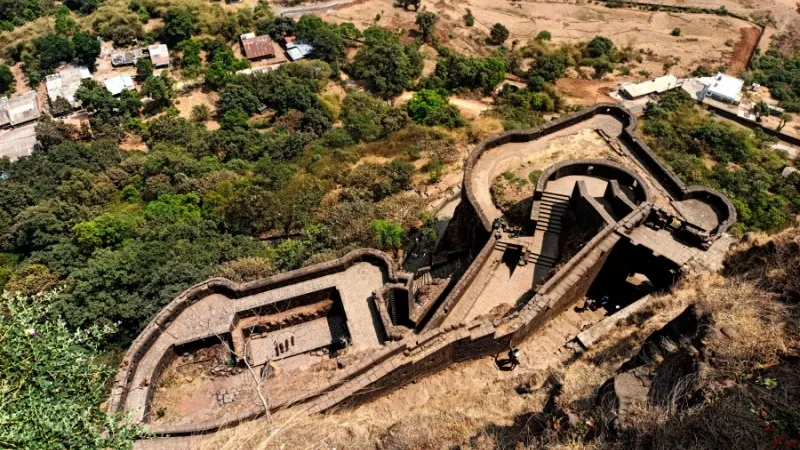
<point>152,331</point>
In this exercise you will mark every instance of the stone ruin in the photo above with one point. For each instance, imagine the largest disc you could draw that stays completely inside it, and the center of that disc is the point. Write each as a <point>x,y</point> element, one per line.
<point>384,327</point>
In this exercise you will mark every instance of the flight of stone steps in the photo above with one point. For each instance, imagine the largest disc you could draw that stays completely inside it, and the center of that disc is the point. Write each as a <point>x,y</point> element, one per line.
<point>552,207</point>
<point>555,342</point>
<point>444,271</point>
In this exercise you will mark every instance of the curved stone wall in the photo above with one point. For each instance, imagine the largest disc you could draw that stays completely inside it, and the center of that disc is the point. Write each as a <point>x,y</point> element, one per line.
<point>657,169</point>
<point>596,167</point>
<point>144,342</point>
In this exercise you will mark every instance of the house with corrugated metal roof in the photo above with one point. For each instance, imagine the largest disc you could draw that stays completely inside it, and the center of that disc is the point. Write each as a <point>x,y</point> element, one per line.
<point>19,110</point>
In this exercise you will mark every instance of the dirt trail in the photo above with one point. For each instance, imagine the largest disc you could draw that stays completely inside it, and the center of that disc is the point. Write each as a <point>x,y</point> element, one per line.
<point>469,108</point>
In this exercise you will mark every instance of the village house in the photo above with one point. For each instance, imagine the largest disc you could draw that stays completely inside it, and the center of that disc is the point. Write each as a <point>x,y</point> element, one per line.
<point>257,47</point>
<point>119,83</point>
<point>297,49</point>
<point>19,109</point>
<point>65,84</point>
<point>159,55</point>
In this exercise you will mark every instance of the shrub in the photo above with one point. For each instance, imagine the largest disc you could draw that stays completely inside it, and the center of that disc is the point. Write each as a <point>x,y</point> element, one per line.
<point>430,107</point>
<point>498,34</point>
<point>469,19</point>
<point>200,113</point>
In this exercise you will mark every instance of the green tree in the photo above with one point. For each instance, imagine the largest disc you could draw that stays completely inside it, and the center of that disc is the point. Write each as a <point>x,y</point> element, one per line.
<point>223,65</point>
<point>65,24</point>
<point>87,48</point>
<point>761,109</point>
<point>160,90</point>
<point>599,46</point>
<point>235,96</point>
<point>277,27</point>
<point>60,107</point>
<point>544,35</point>
<point>426,21</point>
<point>548,67</point>
<point>53,50</point>
<point>368,119</point>
<point>385,65</point>
<point>233,119</point>
<point>53,381</point>
<point>328,42</point>
<point>785,118</point>
<point>430,107</point>
<point>190,61</point>
<point>702,71</point>
<point>179,25</point>
<point>200,113</point>
<point>469,19</point>
<point>458,71</point>
<point>7,83</point>
<point>390,235</point>
<point>498,34</point>
<point>676,32</point>
<point>106,230</point>
<point>82,6</point>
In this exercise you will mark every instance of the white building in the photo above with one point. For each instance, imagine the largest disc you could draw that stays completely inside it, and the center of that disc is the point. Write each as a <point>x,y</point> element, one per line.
<point>159,55</point>
<point>119,83</point>
<point>654,86</point>
<point>724,88</point>
<point>65,83</point>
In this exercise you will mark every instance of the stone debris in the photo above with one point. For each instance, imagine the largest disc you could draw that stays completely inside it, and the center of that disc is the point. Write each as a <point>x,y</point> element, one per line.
<point>226,396</point>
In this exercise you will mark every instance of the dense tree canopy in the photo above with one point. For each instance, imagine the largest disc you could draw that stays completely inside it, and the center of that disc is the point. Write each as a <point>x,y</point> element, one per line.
<point>7,83</point>
<point>426,21</point>
<point>87,48</point>
<point>430,107</point>
<point>179,25</point>
<point>455,71</point>
<point>683,136</point>
<point>385,65</point>
<point>498,34</point>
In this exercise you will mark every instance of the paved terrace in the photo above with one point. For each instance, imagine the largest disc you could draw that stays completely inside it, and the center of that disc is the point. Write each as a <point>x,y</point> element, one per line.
<point>214,316</point>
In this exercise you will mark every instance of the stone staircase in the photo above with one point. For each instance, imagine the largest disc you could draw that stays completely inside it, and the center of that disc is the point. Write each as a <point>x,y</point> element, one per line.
<point>424,279</point>
<point>554,342</point>
<point>552,207</point>
<point>441,272</point>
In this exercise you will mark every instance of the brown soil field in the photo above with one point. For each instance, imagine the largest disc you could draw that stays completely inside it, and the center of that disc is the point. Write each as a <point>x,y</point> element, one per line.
<point>585,92</point>
<point>184,103</point>
<point>743,49</point>
<point>703,41</point>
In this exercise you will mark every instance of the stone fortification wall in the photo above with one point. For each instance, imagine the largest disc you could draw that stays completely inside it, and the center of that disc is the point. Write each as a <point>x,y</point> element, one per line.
<point>657,169</point>
<point>591,214</point>
<point>416,355</point>
<point>145,340</point>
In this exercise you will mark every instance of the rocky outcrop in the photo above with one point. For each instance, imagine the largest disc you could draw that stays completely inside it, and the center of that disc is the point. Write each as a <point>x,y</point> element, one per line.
<point>668,370</point>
